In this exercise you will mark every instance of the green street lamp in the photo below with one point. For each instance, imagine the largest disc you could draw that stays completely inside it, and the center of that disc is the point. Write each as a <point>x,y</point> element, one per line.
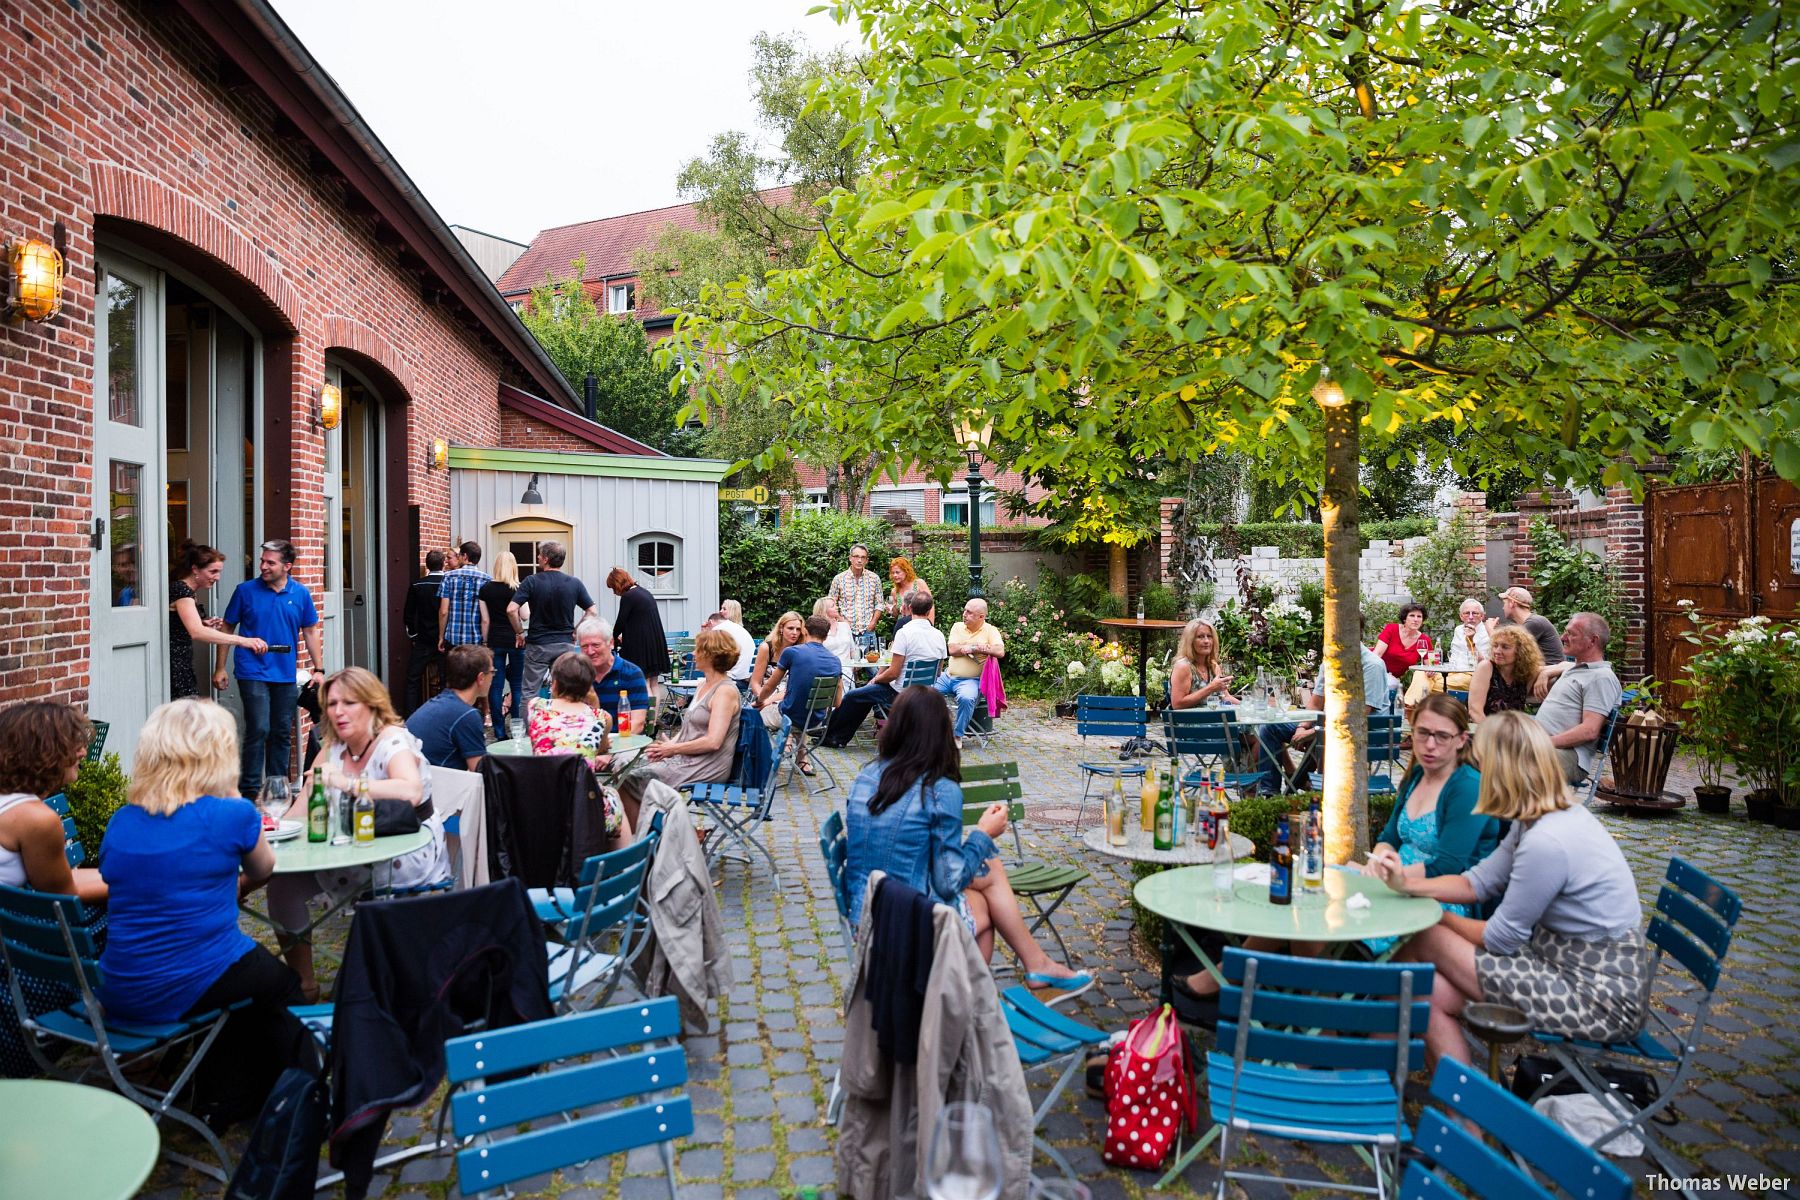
<point>974,439</point>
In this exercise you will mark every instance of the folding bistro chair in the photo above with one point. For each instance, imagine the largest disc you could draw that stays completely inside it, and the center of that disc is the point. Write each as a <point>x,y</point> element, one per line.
<point>617,1101</point>
<point>737,808</point>
<point>1693,924</point>
<point>1602,748</point>
<point>1305,1063</point>
<point>46,937</point>
<point>607,904</point>
<point>914,672</point>
<point>1207,739</point>
<point>1044,885</point>
<point>1537,1146</point>
<point>1108,717</point>
<point>1054,1043</point>
<point>1386,738</point>
<point>821,699</point>
<point>834,845</point>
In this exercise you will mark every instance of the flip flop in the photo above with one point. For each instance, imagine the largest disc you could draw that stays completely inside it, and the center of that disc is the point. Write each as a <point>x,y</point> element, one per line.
<point>1065,988</point>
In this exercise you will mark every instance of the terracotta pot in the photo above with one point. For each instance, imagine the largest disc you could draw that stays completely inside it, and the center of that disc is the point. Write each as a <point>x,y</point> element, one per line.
<point>1761,805</point>
<point>1715,800</point>
<point>1787,816</point>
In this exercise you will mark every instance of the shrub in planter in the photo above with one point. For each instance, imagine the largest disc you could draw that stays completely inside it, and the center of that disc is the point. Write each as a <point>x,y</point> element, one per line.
<point>1745,677</point>
<point>97,793</point>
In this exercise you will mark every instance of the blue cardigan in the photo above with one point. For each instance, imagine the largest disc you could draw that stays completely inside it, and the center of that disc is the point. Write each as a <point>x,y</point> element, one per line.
<point>1464,839</point>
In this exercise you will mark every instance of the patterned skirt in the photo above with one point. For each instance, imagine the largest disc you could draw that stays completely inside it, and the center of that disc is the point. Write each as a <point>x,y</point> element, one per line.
<point>1596,990</point>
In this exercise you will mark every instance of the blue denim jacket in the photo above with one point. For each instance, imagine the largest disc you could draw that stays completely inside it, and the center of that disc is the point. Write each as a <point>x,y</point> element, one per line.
<point>900,841</point>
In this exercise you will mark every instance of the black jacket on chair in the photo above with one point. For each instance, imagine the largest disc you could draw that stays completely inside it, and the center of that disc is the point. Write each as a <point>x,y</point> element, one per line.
<point>416,973</point>
<point>544,817</point>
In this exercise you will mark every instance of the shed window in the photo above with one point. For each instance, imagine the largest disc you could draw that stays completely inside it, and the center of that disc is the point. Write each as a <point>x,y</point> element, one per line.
<point>656,561</point>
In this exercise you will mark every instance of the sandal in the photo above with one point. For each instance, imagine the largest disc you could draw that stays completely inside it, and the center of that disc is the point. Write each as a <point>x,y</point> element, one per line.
<point>806,769</point>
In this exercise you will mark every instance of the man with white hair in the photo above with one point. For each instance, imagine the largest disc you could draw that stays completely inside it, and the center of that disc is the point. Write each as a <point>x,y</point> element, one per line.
<point>1582,692</point>
<point>613,676</point>
<point>972,644</point>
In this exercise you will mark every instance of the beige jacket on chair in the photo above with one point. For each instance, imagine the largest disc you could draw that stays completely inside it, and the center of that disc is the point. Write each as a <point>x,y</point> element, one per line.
<point>966,1052</point>
<point>686,955</point>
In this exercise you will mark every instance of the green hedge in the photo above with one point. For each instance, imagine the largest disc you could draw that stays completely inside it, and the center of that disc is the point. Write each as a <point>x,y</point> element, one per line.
<point>1301,539</point>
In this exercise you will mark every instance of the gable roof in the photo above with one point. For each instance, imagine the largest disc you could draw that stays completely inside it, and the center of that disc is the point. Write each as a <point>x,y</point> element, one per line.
<point>607,439</point>
<point>609,244</point>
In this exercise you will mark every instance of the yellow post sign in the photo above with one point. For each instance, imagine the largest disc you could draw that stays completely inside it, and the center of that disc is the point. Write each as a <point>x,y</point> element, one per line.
<point>753,495</point>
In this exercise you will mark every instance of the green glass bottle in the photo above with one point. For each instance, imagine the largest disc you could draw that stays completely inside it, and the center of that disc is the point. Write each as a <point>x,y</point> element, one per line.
<point>318,809</point>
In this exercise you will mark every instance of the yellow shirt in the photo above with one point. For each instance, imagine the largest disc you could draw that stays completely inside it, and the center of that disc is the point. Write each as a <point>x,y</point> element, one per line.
<point>963,667</point>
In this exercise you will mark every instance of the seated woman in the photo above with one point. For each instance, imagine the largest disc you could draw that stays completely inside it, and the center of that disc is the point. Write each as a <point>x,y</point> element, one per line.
<point>904,817</point>
<point>704,749</point>
<point>364,739</point>
<point>1502,681</point>
<point>1434,829</point>
<point>1566,944</point>
<point>789,630</point>
<point>177,858</point>
<point>571,722</point>
<point>1196,678</point>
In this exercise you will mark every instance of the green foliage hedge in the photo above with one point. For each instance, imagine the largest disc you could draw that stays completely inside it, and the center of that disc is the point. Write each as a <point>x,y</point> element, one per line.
<point>97,793</point>
<point>769,571</point>
<point>1304,539</point>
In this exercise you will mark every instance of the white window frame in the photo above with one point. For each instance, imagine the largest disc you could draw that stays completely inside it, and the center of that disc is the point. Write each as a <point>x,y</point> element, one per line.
<point>664,586</point>
<point>990,509</point>
<point>621,298</point>
<point>810,501</point>
<point>882,499</point>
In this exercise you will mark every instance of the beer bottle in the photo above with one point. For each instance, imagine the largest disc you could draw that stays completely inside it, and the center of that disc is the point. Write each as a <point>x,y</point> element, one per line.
<point>364,813</point>
<point>318,809</point>
<point>1147,800</point>
<point>1164,834</point>
<point>1312,863</point>
<point>1115,813</point>
<point>1281,865</point>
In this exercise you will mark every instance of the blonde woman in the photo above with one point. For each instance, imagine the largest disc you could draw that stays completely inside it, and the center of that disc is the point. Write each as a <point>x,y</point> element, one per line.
<point>498,635</point>
<point>1195,677</point>
<point>788,631</point>
<point>734,612</point>
<point>364,740</point>
<point>1565,945</point>
<point>1502,681</point>
<point>176,859</point>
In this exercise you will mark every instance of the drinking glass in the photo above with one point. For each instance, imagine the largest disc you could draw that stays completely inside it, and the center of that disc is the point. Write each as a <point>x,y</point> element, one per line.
<point>964,1159</point>
<point>277,795</point>
<point>515,728</point>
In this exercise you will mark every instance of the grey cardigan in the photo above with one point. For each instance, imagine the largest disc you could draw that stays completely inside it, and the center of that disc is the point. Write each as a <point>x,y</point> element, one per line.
<point>966,1052</point>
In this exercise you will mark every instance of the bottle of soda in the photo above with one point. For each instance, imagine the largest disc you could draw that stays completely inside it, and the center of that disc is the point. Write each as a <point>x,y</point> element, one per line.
<point>1312,861</point>
<point>1281,865</point>
<point>624,721</point>
<point>1147,800</point>
<point>364,814</point>
<point>318,809</point>
<point>1163,837</point>
<point>1115,813</point>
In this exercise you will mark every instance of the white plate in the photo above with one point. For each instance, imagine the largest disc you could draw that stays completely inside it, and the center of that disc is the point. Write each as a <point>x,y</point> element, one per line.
<point>288,828</point>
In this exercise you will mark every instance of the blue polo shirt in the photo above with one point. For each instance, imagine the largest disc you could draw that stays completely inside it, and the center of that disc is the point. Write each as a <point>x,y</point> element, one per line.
<point>448,730</point>
<point>258,610</point>
<point>624,677</point>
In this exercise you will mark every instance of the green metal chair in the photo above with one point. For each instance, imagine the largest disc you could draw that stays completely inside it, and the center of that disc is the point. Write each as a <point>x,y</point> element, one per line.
<point>1043,885</point>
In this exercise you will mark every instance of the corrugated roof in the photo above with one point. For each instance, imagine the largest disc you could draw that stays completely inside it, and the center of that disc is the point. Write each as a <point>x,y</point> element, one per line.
<point>609,244</point>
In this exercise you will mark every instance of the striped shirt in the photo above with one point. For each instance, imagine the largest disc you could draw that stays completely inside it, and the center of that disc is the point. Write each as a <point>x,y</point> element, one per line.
<point>857,600</point>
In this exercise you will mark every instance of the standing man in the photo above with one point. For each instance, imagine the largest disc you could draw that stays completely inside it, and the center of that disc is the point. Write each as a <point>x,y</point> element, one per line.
<point>279,610</point>
<point>557,601</point>
<point>459,601</point>
<point>421,620</point>
<point>613,674</point>
<point>1582,692</point>
<point>857,594</point>
<point>1516,609</point>
<point>972,643</point>
<point>449,726</point>
<point>918,639</point>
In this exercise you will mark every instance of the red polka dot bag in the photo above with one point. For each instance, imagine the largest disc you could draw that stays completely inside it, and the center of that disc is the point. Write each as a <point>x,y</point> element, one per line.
<point>1149,1092</point>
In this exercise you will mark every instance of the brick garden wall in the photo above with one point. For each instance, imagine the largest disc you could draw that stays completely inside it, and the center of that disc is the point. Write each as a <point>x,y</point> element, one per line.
<point>118,112</point>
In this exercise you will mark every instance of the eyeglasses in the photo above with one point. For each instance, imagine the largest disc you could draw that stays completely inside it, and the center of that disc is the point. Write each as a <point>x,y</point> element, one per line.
<point>1432,735</point>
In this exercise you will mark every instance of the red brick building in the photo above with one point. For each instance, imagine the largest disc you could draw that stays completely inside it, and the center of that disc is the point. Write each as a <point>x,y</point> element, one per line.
<point>241,253</point>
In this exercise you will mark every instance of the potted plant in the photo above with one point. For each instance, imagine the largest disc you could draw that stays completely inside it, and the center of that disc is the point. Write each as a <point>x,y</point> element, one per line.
<point>1747,678</point>
<point>1641,752</point>
<point>1708,734</point>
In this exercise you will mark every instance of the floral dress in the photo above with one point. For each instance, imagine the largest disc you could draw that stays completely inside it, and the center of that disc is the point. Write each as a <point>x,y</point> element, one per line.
<point>1418,843</point>
<point>555,731</point>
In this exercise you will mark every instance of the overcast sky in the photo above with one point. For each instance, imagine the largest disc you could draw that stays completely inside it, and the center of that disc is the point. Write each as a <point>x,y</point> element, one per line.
<point>514,117</point>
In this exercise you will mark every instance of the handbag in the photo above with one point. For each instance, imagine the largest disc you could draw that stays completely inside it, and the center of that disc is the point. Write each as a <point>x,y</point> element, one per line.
<point>395,816</point>
<point>1149,1092</point>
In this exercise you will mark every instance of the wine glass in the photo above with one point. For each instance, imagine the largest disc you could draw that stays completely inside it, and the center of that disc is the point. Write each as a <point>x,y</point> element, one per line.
<point>277,795</point>
<point>964,1159</point>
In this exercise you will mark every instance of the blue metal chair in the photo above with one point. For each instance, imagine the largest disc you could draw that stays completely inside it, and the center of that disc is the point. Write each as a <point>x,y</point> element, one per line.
<point>1535,1143</point>
<point>1207,738</point>
<point>738,807</point>
<point>1693,923</point>
<point>1386,739</point>
<point>1303,1062</point>
<point>1602,748</point>
<point>625,1099</point>
<point>1108,717</point>
<point>834,845</point>
<point>47,938</point>
<point>1054,1043</point>
<point>73,850</point>
<point>606,903</point>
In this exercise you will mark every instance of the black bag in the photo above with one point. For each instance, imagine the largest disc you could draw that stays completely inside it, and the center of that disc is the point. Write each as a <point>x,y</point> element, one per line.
<point>282,1160</point>
<point>395,816</point>
<point>1532,1071</point>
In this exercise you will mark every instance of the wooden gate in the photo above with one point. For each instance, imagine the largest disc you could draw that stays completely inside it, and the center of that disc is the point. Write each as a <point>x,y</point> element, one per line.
<point>1733,549</point>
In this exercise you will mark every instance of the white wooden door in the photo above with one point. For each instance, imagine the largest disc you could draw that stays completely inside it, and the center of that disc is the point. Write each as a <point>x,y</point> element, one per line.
<point>129,638</point>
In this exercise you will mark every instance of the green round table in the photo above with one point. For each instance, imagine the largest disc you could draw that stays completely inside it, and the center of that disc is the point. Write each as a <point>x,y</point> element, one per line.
<point>1184,898</point>
<point>72,1142</point>
<point>297,854</point>
<point>522,746</point>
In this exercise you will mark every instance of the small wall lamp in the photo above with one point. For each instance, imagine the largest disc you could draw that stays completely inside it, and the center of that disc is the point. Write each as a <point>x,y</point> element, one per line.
<point>34,272</point>
<point>532,495</point>
<point>330,408</point>
<point>440,453</point>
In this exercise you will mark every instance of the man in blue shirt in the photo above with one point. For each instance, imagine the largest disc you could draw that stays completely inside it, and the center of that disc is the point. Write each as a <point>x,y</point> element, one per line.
<point>279,610</point>
<point>459,605</point>
<point>613,674</point>
<point>449,726</point>
<point>1271,739</point>
<point>800,666</point>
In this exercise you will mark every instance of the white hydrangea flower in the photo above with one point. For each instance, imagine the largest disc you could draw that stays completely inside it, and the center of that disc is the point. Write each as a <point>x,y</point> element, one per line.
<point>1076,667</point>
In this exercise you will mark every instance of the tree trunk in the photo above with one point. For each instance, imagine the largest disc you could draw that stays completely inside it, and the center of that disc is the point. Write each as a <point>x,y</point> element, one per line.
<point>1345,802</point>
<point>1117,580</point>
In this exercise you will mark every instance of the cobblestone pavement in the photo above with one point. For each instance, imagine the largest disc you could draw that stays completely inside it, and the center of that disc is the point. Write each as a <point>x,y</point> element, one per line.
<point>760,1080</point>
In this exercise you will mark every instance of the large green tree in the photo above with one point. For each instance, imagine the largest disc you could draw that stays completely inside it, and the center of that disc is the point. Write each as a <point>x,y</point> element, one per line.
<point>634,392</point>
<point>1555,232</point>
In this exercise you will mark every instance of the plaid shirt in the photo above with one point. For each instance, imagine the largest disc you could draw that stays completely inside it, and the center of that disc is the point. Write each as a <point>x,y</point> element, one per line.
<point>460,587</point>
<point>858,601</point>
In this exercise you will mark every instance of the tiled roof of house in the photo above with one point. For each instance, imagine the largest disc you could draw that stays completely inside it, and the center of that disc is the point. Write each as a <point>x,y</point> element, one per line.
<point>609,244</point>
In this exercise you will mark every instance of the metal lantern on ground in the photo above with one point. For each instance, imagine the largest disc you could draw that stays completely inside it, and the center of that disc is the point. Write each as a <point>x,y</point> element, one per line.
<point>974,438</point>
<point>35,276</point>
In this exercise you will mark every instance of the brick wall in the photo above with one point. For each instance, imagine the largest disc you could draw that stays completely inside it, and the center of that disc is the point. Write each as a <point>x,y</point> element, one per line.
<point>116,113</point>
<point>520,432</point>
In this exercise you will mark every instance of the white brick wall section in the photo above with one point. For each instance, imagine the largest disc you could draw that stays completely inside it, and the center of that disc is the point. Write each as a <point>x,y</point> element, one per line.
<point>1383,566</point>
